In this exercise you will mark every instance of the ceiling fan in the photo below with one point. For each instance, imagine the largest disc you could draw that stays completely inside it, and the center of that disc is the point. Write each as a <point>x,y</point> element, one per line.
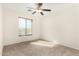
<point>38,9</point>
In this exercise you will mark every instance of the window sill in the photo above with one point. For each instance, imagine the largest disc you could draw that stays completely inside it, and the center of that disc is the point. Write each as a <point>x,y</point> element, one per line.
<point>25,35</point>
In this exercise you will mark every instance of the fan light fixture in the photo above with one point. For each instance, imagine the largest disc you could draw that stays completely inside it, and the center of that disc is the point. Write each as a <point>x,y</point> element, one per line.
<point>38,9</point>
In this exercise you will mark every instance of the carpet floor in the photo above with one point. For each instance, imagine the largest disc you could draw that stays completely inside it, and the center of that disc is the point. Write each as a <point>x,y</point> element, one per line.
<point>38,48</point>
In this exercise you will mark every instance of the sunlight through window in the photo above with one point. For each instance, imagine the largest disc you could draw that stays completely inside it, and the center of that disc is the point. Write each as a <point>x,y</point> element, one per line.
<point>25,26</point>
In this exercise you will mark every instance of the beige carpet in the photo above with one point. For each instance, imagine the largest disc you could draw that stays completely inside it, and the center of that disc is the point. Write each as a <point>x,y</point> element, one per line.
<point>38,48</point>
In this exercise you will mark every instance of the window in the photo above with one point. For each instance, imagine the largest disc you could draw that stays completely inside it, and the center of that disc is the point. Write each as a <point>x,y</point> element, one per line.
<point>25,26</point>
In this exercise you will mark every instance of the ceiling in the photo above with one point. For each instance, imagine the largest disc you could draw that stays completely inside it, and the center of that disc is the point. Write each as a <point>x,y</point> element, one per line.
<point>21,7</point>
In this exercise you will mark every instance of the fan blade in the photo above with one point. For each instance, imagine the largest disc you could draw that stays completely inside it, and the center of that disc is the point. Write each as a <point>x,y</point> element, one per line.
<point>34,12</point>
<point>41,13</point>
<point>29,9</point>
<point>46,9</point>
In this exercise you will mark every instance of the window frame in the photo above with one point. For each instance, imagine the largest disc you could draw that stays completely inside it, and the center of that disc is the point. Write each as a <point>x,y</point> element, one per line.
<point>26,26</point>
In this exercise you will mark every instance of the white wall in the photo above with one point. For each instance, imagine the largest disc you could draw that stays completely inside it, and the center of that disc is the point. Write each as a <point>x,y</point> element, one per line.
<point>62,26</point>
<point>1,32</point>
<point>10,18</point>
